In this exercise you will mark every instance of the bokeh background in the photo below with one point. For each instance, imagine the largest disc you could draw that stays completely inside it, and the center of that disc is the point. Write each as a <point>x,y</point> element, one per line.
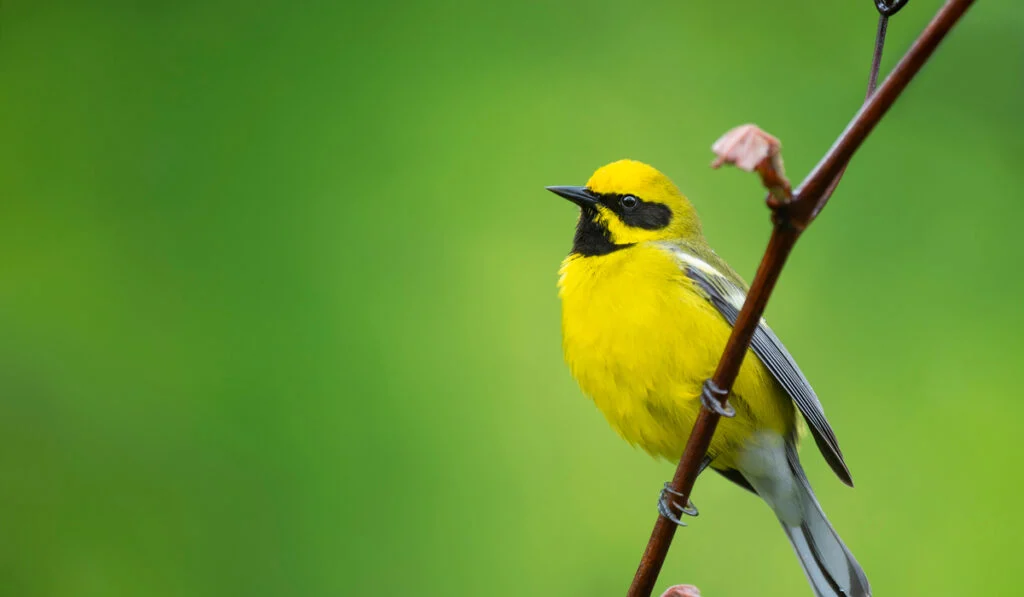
<point>278,310</point>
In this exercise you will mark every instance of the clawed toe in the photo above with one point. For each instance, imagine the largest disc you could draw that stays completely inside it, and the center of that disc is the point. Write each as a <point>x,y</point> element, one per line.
<point>668,507</point>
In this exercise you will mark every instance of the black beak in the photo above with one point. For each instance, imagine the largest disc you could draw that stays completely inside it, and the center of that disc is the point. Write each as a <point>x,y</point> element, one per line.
<point>581,196</point>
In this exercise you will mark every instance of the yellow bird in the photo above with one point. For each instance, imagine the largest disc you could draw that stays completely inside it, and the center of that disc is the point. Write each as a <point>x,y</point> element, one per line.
<point>647,307</point>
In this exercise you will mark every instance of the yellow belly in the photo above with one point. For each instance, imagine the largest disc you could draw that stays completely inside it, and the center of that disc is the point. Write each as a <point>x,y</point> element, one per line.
<point>640,341</point>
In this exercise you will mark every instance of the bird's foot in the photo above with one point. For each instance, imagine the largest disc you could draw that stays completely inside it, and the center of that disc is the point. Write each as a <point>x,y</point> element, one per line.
<point>667,506</point>
<point>714,399</point>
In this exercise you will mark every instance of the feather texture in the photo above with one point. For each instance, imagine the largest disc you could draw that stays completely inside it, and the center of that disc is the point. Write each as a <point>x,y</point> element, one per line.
<point>726,292</point>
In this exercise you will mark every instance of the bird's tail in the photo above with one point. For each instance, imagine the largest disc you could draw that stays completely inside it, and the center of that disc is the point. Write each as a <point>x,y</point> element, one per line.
<point>830,567</point>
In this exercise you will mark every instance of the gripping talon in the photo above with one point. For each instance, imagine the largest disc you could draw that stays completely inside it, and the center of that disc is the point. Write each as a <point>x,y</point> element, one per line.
<point>666,505</point>
<point>663,509</point>
<point>711,397</point>
<point>689,510</point>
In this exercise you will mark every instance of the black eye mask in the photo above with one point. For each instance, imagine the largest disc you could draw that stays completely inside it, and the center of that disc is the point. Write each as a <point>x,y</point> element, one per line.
<point>645,214</point>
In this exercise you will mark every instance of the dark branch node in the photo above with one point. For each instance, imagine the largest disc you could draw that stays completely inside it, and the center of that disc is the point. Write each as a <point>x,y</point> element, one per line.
<point>887,8</point>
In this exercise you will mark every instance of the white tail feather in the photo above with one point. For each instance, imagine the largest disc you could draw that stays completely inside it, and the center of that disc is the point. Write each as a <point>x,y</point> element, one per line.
<point>772,467</point>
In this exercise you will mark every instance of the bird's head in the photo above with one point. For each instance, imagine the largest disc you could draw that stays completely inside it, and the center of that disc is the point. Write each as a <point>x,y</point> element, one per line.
<point>629,202</point>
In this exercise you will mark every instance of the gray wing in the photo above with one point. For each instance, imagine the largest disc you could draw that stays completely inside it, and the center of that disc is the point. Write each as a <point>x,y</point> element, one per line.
<point>728,297</point>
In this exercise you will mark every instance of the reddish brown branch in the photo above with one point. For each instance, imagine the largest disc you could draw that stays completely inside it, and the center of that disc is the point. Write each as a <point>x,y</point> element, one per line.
<point>790,218</point>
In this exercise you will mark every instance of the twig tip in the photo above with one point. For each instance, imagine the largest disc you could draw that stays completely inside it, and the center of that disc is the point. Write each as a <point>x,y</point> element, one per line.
<point>750,148</point>
<point>745,147</point>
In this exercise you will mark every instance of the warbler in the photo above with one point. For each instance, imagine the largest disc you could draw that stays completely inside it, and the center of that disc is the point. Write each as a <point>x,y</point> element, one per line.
<point>647,307</point>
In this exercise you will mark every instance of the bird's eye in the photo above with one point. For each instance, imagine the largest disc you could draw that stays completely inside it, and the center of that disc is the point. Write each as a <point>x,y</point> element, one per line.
<point>628,202</point>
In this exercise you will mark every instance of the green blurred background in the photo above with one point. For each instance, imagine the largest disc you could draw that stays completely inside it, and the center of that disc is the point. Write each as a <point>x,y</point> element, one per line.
<point>278,310</point>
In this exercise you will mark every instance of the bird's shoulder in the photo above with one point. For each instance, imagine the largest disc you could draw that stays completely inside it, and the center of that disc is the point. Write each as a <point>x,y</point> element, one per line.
<point>700,257</point>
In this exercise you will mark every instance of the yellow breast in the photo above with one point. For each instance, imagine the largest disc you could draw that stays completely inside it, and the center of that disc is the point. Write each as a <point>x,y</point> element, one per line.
<point>641,340</point>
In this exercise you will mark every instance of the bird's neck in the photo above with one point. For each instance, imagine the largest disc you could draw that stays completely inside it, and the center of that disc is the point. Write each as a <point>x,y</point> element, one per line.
<point>592,238</point>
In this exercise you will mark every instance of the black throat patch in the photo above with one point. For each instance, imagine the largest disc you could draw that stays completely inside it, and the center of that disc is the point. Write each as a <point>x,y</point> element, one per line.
<point>591,237</point>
